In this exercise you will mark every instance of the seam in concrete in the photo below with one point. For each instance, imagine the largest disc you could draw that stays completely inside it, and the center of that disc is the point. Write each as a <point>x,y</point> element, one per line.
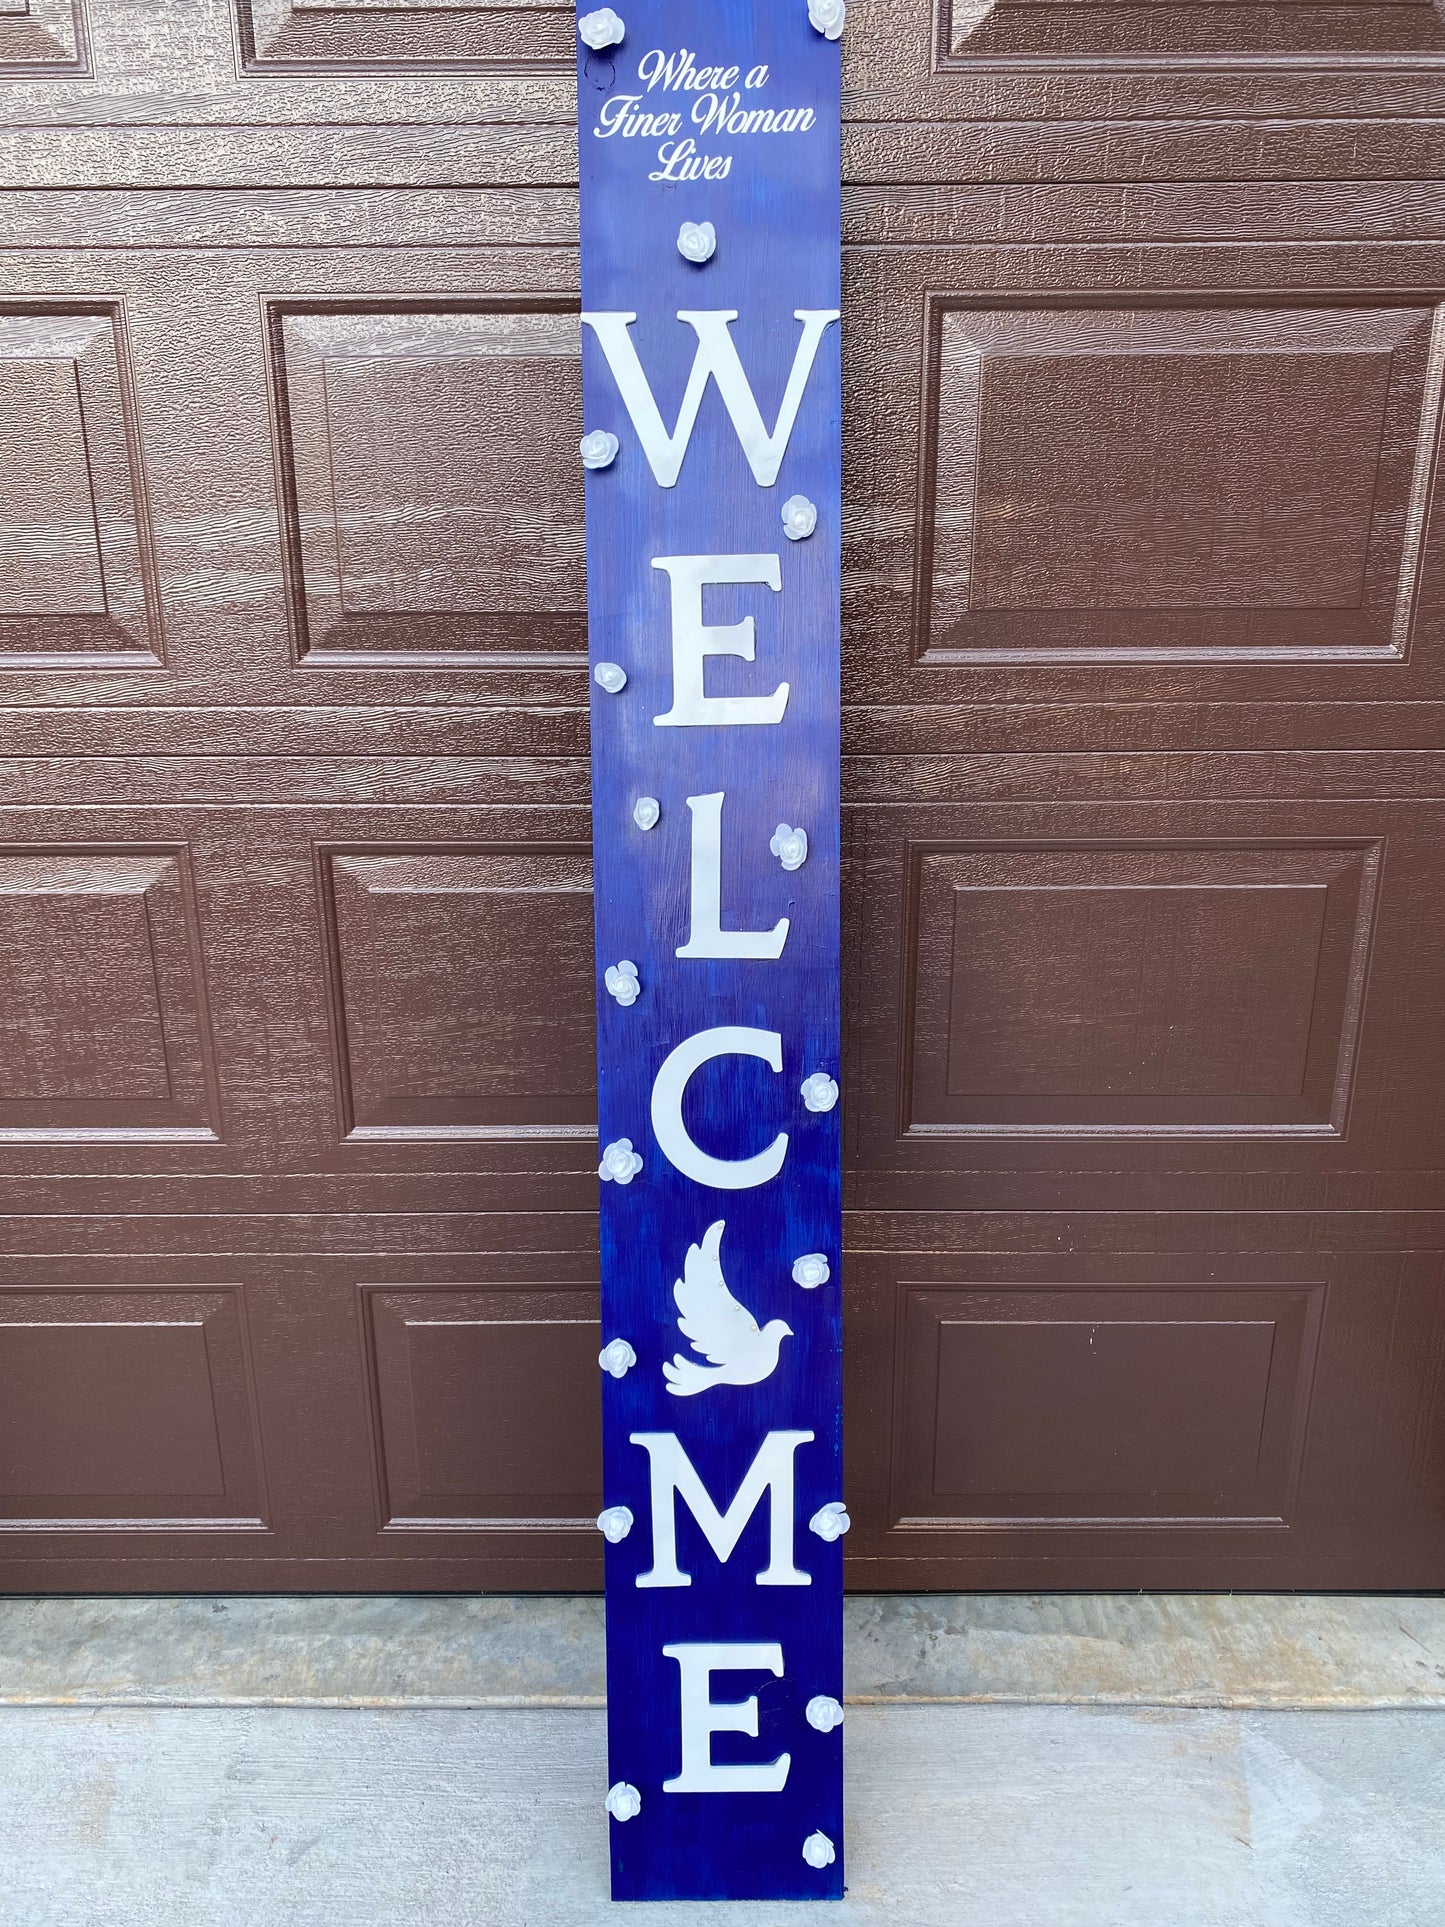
<point>481,1703</point>
<point>1221,1652</point>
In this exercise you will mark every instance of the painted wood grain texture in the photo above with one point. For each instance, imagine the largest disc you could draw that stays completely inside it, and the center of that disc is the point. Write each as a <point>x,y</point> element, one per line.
<point>775,212</point>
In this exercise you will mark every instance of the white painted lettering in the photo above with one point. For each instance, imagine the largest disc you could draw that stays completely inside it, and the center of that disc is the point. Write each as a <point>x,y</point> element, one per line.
<point>706,936</point>
<point>673,1476</point>
<point>693,641</point>
<point>702,1716</point>
<point>716,360</point>
<point>723,1174</point>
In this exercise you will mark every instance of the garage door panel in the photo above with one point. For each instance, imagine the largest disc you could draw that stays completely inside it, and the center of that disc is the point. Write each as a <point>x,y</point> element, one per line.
<point>76,570</point>
<point>1079,1398</point>
<point>1135,482</point>
<point>309,1419</point>
<point>1192,493</point>
<point>397,35</point>
<point>487,1406</point>
<point>1122,34</point>
<point>395,498</point>
<point>43,38</point>
<point>431,481</point>
<point>1125,61</point>
<point>1109,987</point>
<point>905,64</point>
<point>265,999</point>
<point>126,1407</point>
<point>450,1007</point>
<point>1138,990</point>
<point>1144,357</point>
<point>1090,987</point>
<point>1165,1406</point>
<point>1208,551</point>
<point>1015,1393</point>
<point>103,1007</point>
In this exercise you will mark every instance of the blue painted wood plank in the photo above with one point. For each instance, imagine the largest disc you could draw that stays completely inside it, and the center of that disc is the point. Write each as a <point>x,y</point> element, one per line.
<point>674,94</point>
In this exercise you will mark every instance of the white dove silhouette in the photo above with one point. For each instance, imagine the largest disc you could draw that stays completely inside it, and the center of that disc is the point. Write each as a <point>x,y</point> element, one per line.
<point>725,1332</point>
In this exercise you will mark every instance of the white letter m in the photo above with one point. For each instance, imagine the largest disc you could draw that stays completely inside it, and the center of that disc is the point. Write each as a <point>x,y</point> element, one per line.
<point>673,1477</point>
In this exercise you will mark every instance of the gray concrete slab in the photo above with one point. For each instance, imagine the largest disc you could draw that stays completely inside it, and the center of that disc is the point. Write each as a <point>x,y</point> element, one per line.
<point>1159,1649</point>
<point>1190,1649</point>
<point>960,1816</point>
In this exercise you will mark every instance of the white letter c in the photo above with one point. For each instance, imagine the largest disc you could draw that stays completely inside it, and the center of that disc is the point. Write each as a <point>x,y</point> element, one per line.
<point>723,1174</point>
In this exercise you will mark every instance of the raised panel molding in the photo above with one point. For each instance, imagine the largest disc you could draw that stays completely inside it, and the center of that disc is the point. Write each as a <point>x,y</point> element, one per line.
<point>127,1406</point>
<point>527,36</point>
<point>104,1030</point>
<point>77,583</point>
<point>1174,482</point>
<point>1167,1404</point>
<point>1149,33</point>
<point>486,1404</point>
<point>432,491</point>
<point>461,991</point>
<point>43,36</point>
<point>1134,990</point>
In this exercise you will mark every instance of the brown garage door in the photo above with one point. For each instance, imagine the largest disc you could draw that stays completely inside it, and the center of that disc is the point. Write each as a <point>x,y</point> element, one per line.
<point>1145,643</point>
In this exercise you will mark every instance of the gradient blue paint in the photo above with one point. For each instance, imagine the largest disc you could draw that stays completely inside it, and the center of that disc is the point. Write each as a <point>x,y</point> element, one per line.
<point>777,220</point>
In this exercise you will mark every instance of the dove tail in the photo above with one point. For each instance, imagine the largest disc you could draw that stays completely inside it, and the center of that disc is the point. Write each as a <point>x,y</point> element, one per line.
<point>684,1378</point>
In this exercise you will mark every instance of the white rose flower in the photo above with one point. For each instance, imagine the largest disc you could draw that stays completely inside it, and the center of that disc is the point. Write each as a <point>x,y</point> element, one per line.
<point>823,1713</point>
<point>624,1802</point>
<point>830,1521</point>
<point>828,17</point>
<point>697,241</point>
<point>599,449</point>
<point>800,517</point>
<point>811,1270</point>
<point>620,1163</point>
<point>610,676</point>
<point>621,980</point>
<point>790,847</point>
<point>818,1849</point>
<point>645,812</point>
<point>617,1359</point>
<point>615,1523</point>
<point>601,29</point>
<point>819,1092</point>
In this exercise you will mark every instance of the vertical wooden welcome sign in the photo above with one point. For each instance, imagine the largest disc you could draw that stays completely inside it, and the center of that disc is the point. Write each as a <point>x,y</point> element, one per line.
<point>708,132</point>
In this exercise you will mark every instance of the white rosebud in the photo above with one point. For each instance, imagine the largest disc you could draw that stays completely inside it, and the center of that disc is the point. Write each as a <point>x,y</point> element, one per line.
<point>790,847</point>
<point>610,676</point>
<point>645,812</point>
<point>620,1163</point>
<point>599,449</point>
<point>800,517</point>
<point>621,980</point>
<point>823,1713</point>
<point>615,1523</point>
<point>828,16</point>
<point>819,1092</point>
<point>830,1521</point>
<point>697,241</point>
<point>811,1271</point>
<point>624,1802</point>
<point>818,1849</point>
<point>617,1359</point>
<point>601,29</point>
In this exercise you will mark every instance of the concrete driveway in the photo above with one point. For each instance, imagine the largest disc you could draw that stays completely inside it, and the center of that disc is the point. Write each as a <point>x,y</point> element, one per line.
<point>304,1796</point>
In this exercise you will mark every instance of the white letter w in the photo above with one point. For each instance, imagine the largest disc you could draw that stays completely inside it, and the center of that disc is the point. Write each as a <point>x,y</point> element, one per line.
<point>716,358</point>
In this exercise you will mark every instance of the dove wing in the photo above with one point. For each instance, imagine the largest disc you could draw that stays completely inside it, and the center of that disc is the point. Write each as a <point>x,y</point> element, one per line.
<point>712,1319</point>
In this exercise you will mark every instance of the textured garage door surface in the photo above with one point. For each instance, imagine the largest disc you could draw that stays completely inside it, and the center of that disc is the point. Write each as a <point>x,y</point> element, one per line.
<point>1145,662</point>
